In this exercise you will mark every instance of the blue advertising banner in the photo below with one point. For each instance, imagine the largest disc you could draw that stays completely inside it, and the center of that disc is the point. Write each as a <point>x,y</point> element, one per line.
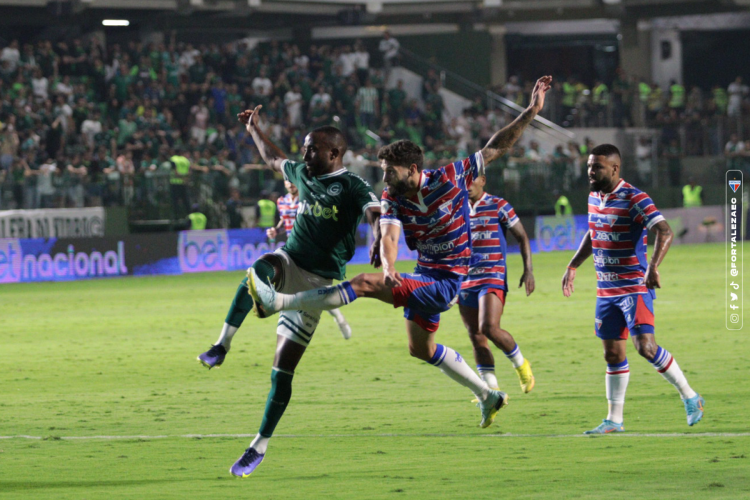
<point>66,259</point>
<point>560,233</point>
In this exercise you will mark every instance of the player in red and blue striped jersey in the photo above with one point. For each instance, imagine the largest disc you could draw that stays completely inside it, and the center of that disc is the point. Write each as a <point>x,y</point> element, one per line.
<point>620,216</point>
<point>288,205</point>
<point>432,207</point>
<point>482,297</point>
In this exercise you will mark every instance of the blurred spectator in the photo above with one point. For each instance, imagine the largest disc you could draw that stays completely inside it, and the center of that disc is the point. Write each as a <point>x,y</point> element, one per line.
<point>266,211</point>
<point>234,205</point>
<point>367,105</point>
<point>733,151</point>
<point>737,91</point>
<point>389,47</point>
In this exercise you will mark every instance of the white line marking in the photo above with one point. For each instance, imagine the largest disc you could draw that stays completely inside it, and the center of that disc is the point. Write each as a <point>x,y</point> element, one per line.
<point>302,436</point>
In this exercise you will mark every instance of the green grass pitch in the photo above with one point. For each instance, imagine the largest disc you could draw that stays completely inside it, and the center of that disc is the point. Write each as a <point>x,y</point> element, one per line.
<point>116,357</point>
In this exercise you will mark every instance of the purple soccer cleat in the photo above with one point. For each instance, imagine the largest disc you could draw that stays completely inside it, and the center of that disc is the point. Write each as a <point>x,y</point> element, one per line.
<point>247,463</point>
<point>213,357</point>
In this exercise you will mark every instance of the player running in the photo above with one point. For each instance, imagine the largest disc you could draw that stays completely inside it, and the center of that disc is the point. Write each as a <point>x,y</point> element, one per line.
<point>287,206</point>
<point>332,201</point>
<point>432,207</point>
<point>482,298</point>
<point>619,217</point>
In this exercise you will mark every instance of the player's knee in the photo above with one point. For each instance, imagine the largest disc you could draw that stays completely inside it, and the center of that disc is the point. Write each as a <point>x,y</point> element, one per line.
<point>646,349</point>
<point>363,283</point>
<point>478,339</point>
<point>275,271</point>
<point>612,358</point>
<point>419,352</point>
<point>488,330</point>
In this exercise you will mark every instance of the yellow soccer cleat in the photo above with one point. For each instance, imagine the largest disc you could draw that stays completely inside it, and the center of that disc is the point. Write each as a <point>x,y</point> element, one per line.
<point>525,377</point>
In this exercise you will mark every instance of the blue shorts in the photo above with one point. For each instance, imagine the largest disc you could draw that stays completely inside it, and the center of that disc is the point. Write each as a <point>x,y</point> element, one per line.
<point>425,294</point>
<point>469,297</point>
<point>615,316</point>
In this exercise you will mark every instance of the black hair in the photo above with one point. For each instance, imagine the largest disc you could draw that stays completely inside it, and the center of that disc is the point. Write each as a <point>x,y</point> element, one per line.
<point>402,153</point>
<point>606,150</point>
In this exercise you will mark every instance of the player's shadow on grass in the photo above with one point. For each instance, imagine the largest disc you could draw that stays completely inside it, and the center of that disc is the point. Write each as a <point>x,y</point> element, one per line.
<point>6,486</point>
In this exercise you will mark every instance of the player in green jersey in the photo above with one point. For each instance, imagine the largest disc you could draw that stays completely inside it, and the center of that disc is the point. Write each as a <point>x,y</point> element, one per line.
<point>332,202</point>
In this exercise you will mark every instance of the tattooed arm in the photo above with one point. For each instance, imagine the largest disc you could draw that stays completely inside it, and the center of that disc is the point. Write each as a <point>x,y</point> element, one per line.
<point>501,142</point>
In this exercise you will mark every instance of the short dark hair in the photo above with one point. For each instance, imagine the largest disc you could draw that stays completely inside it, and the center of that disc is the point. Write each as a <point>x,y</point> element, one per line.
<point>402,153</point>
<point>606,150</point>
<point>334,137</point>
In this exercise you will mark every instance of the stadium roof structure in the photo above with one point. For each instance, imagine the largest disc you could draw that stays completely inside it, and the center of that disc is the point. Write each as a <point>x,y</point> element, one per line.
<point>274,14</point>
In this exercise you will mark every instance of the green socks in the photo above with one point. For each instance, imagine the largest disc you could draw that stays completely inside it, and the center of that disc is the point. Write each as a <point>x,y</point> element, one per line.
<point>241,305</point>
<point>278,399</point>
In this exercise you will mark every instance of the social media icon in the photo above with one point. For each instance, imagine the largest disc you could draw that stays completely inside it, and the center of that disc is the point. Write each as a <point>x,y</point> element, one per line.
<point>733,296</point>
<point>734,318</point>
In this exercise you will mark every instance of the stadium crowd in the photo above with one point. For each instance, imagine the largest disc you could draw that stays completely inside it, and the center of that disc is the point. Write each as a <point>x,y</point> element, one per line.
<point>88,124</point>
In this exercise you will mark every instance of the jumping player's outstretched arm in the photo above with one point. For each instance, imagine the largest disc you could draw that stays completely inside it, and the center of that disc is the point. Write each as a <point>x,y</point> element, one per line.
<point>527,277</point>
<point>272,155</point>
<point>663,241</point>
<point>583,253</point>
<point>503,140</point>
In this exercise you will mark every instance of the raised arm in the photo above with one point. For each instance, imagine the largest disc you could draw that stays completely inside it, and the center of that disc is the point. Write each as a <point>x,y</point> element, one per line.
<point>503,140</point>
<point>389,252</point>
<point>663,241</point>
<point>583,253</point>
<point>271,154</point>
<point>527,278</point>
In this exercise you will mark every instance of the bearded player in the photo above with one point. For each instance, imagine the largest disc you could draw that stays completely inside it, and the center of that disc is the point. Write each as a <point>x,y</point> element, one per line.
<point>482,298</point>
<point>432,207</point>
<point>332,202</point>
<point>620,215</point>
<point>288,205</point>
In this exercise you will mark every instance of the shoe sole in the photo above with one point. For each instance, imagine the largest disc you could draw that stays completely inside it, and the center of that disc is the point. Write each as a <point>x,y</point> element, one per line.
<point>529,386</point>
<point>253,291</point>
<point>502,403</point>
<point>217,365</point>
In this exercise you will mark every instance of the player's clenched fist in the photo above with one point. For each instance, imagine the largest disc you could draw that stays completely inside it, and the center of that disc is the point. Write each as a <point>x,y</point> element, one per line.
<point>250,117</point>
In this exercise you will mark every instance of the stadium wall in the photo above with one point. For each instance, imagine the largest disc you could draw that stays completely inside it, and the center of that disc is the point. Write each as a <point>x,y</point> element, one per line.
<point>70,259</point>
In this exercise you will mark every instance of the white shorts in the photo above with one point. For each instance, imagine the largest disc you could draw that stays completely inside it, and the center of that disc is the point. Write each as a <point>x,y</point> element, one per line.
<point>298,326</point>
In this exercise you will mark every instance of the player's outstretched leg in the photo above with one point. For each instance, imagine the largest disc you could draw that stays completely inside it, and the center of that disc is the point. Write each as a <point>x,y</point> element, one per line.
<point>664,363</point>
<point>344,328</point>
<point>242,304</point>
<point>288,354</point>
<point>422,346</point>
<point>268,301</point>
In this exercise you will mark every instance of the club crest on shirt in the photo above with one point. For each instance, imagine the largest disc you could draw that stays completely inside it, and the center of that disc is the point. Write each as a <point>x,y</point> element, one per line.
<point>335,189</point>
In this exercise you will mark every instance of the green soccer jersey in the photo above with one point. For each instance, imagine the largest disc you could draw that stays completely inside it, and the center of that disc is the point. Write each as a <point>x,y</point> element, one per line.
<point>330,208</point>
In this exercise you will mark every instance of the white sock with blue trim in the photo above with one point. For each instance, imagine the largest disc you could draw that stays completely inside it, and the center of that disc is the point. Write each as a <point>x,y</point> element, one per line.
<point>487,372</point>
<point>617,379</point>
<point>327,298</point>
<point>452,364</point>
<point>665,364</point>
<point>515,356</point>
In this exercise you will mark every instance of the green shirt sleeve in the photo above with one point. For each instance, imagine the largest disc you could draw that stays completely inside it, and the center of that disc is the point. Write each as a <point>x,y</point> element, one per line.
<point>362,194</point>
<point>291,171</point>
